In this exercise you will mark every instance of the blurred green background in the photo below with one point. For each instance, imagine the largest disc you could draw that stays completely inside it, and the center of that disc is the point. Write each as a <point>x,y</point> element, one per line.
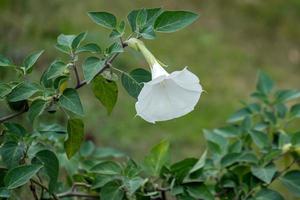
<point>225,48</point>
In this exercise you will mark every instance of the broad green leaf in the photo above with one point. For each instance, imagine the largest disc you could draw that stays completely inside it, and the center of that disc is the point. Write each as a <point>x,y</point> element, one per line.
<point>66,40</point>
<point>5,89</point>
<point>239,115</point>
<point>22,91</point>
<point>232,158</point>
<point>148,33</point>
<point>152,15</point>
<point>31,60</point>
<point>91,47</point>
<point>36,109</point>
<point>78,39</point>
<point>5,62</point>
<point>291,180</point>
<point>4,192</point>
<point>101,180</point>
<point>12,153</point>
<point>171,21</point>
<point>181,169</point>
<point>56,69</point>
<point>295,110</point>
<point>75,137</point>
<point>105,19</point>
<point>50,162</point>
<point>91,67</point>
<point>200,164</point>
<point>141,18</point>
<point>268,194</point>
<point>106,92</point>
<point>63,48</point>
<point>265,174</point>
<point>199,192</point>
<point>108,152</point>
<point>287,95</point>
<point>14,128</point>
<point>112,191</point>
<point>107,168</point>
<point>264,84</point>
<point>70,100</point>
<point>87,149</point>
<point>132,185</point>
<point>115,48</point>
<point>259,138</point>
<point>52,128</point>
<point>158,157</point>
<point>133,82</point>
<point>19,176</point>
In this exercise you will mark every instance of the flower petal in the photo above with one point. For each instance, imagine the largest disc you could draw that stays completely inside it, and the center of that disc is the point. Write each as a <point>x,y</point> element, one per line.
<point>166,98</point>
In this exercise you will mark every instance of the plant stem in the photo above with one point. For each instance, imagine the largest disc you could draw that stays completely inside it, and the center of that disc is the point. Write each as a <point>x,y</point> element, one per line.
<point>77,194</point>
<point>45,188</point>
<point>13,115</point>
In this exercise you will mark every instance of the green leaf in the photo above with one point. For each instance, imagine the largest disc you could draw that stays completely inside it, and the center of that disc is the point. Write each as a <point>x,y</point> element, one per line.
<point>264,84</point>
<point>158,157</point>
<point>106,92</point>
<point>105,19</point>
<point>19,176</point>
<point>5,89</point>
<point>115,48</point>
<point>56,69</point>
<point>152,15</point>
<point>91,67</point>
<point>200,164</point>
<point>148,33</point>
<point>295,110</point>
<point>36,109</point>
<point>5,62</point>
<point>75,136</point>
<point>107,168</point>
<point>132,185</point>
<point>268,194</point>
<point>70,100</point>
<point>265,174</point>
<point>133,82</point>
<point>259,138</point>
<point>199,192</point>
<point>112,191</point>
<point>66,40</point>
<point>31,60</point>
<point>291,180</point>
<point>287,95</point>
<point>181,170</point>
<point>171,21</point>
<point>12,153</point>
<point>101,180</point>
<point>22,91</point>
<point>78,39</point>
<point>91,47</point>
<point>50,162</point>
<point>239,115</point>
<point>87,149</point>
<point>141,18</point>
<point>4,192</point>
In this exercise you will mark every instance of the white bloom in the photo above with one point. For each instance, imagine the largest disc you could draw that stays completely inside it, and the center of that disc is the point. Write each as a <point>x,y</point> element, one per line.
<point>166,96</point>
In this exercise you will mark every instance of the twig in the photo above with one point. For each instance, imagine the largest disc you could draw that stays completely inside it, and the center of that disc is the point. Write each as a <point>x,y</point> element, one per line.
<point>13,115</point>
<point>33,190</point>
<point>77,194</point>
<point>45,188</point>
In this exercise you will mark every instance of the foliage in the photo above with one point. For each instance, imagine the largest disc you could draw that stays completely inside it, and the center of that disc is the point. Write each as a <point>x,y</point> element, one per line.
<point>241,162</point>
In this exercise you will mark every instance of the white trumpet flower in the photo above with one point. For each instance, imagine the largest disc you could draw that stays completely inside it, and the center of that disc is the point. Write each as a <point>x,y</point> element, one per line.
<point>166,96</point>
